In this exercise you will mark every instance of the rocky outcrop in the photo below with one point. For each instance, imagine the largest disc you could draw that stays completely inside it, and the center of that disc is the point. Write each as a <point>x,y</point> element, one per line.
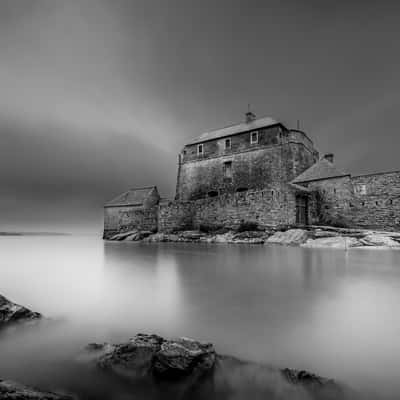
<point>151,355</point>
<point>289,237</point>
<point>187,368</point>
<point>13,313</point>
<point>10,390</point>
<point>379,239</point>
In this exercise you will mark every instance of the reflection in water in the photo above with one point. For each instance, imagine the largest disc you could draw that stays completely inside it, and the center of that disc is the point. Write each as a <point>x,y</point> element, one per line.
<point>325,310</point>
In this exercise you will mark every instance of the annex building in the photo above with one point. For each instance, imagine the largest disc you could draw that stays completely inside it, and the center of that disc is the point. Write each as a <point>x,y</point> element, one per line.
<point>260,172</point>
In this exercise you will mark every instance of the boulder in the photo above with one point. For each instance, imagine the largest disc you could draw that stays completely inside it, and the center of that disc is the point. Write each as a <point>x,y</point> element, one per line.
<point>319,233</point>
<point>123,235</point>
<point>289,237</point>
<point>339,242</point>
<point>12,313</point>
<point>249,235</point>
<point>224,238</point>
<point>11,390</point>
<point>139,235</point>
<point>379,239</point>
<point>182,357</point>
<point>151,355</point>
<point>191,235</point>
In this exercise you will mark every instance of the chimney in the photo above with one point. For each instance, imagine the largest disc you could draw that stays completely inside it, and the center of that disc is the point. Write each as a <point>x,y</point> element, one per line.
<point>329,157</point>
<point>250,116</point>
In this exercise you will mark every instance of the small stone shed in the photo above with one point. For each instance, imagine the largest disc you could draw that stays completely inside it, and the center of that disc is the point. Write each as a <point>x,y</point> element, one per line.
<point>135,209</point>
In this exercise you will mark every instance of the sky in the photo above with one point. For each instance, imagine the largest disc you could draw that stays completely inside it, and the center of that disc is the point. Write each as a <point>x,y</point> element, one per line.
<point>98,96</point>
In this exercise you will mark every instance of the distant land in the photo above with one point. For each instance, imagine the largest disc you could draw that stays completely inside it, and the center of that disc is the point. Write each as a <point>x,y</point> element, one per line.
<point>34,234</point>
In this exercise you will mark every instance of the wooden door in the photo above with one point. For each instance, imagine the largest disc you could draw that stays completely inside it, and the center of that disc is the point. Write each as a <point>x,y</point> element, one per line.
<point>301,210</point>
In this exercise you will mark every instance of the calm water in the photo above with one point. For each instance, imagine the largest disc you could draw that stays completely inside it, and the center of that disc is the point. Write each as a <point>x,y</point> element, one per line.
<point>328,311</point>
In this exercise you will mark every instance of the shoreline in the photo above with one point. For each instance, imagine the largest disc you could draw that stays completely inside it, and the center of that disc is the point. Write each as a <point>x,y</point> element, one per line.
<point>306,237</point>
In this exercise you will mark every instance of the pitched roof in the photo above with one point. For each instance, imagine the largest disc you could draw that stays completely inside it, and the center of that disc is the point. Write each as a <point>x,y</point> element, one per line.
<point>323,169</point>
<point>133,197</point>
<point>234,129</point>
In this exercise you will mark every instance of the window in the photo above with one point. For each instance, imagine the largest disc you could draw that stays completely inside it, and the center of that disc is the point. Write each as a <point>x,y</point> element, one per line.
<point>213,193</point>
<point>228,144</point>
<point>361,189</point>
<point>254,137</point>
<point>228,169</point>
<point>200,150</point>
<point>241,189</point>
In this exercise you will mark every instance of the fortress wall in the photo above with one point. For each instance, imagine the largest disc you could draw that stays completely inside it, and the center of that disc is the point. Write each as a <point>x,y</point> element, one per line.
<point>268,207</point>
<point>376,201</point>
<point>175,215</point>
<point>368,201</point>
<point>123,219</point>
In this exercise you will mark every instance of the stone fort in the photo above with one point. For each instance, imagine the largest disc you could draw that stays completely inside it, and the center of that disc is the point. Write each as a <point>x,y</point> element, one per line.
<point>258,172</point>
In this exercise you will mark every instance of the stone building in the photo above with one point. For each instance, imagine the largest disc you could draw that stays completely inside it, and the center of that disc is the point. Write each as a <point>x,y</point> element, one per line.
<point>134,209</point>
<point>263,173</point>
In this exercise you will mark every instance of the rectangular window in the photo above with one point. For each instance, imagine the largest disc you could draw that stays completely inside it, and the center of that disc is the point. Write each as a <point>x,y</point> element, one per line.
<point>228,169</point>
<point>200,150</point>
<point>227,144</point>
<point>361,189</point>
<point>254,137</point>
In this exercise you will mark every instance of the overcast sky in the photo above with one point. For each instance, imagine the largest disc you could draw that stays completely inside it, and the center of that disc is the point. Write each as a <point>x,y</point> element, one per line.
<point>97,96</point>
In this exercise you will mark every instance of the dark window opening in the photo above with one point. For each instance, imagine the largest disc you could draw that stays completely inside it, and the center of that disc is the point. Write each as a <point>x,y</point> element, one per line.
<point>242,189</point>
<point>390,202</point>
<point>212,193</point>
<point>377,203</point>
<point>200,149</point>
<point>363,203</point>
<point>228,169</point>
<point>228,144</point>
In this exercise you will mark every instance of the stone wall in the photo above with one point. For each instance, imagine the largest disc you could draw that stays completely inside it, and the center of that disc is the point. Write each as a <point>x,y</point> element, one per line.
<point>369,201</point>
<point>175,216</point>
<point>376,201</point>
<point>121,219</point>
<point>278,159</point>
<point>269,207</point>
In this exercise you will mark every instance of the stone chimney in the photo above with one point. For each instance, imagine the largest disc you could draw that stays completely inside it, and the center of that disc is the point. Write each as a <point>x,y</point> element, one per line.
<point>329,157</point>
<point>250,116</point>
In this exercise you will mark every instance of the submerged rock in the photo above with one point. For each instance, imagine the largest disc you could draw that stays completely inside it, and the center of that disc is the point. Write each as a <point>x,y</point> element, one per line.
<point>289,237</point>
<point>10,390</point>
<point>12,313</point>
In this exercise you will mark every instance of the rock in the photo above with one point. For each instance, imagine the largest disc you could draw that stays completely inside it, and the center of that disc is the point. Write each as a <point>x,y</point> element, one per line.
<point>224,238</point>
<point>318,233</point>
<point>182,357</point>
<point>374,239</point>
<point>11,390</point>
<point>139,235</point>
<point>123,235</point>
<point>323,387</point>
<point>191,235</point>
<point>11,313</point>
<point>339,242</point>
<point>249,235</point>
<point>249,241</point>
<point>151,355</point>
<point>291,236</point>
<point>156,237</point>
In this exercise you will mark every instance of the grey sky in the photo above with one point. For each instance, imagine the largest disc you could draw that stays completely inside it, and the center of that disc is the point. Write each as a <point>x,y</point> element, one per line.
<point>99,96</point>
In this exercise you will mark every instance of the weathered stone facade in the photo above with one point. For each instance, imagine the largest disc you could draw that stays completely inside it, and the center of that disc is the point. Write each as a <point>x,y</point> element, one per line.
<point>278,156</point>
<point>262,173</point>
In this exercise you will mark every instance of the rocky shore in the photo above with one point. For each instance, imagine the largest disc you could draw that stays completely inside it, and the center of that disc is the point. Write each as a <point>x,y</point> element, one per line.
<point>185,369</point>
<point>11,313</point>
<point>310,236</point>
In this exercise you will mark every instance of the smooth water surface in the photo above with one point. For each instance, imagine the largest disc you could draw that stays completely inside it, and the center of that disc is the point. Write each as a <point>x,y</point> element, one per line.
<point>328,311</point>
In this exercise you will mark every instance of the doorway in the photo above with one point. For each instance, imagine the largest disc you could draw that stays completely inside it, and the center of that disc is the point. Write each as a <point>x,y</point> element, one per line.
<point>301,210</point>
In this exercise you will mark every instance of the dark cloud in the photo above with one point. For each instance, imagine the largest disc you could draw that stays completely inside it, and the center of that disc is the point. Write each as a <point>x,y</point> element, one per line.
<point>99,95</point>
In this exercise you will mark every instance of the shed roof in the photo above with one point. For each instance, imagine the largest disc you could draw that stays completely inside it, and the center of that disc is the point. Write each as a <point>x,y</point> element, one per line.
<point>132,197</point>
<point>323,169</point>
<point>234,129</point>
